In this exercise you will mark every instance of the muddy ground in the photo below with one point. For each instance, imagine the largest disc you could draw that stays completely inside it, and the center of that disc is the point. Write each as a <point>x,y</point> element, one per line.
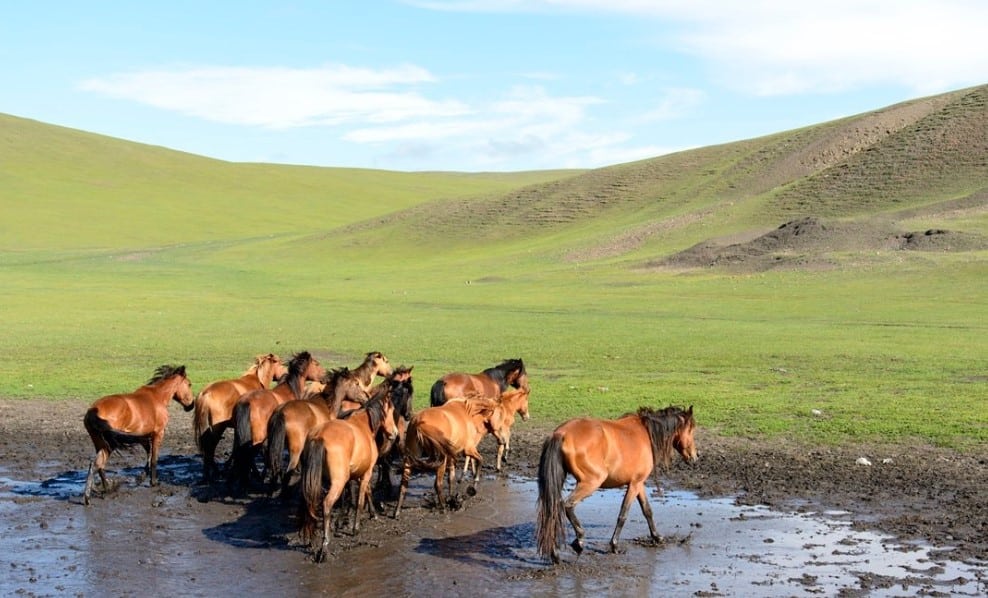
<point>913,493</point>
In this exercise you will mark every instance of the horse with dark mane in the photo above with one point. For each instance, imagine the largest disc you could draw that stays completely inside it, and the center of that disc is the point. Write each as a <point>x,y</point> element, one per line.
<point>254,409</point>
<point>607,454</point>
<point>488,384</point>
<point>291,421</point>
<point>342,450</point>
<point>138,417</point>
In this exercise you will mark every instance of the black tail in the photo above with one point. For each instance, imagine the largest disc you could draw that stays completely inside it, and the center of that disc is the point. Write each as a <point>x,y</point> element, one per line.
<point>100,428</point>
<point>549,532</point>
<point>438,395</point>
<point>243,444</point>
<point>313,456</point>
<point>276,445</point>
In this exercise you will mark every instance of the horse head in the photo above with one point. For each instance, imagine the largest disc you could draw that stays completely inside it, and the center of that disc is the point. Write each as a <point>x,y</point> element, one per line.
<point>682,439</point>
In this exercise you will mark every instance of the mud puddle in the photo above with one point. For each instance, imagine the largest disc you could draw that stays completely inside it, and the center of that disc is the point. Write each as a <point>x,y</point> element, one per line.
<point>179,537</point>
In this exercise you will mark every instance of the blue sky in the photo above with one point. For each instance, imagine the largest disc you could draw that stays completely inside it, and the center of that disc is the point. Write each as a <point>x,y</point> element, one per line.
<point>474,85</point>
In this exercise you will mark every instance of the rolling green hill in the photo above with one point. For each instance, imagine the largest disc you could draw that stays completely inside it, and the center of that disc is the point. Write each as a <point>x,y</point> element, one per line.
<point>840,268</point>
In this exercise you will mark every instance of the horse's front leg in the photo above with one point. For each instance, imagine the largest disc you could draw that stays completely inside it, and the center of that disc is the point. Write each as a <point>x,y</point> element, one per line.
<point>152,466</point>
<point>622,515</point>
<point>647,512</point>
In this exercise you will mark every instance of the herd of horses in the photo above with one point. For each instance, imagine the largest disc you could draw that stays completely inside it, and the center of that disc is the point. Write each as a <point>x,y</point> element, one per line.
<point>322,432</point>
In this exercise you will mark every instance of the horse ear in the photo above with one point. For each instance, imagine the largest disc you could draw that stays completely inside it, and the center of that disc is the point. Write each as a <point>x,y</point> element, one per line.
<point>690,410</point>
<point>180,370</point>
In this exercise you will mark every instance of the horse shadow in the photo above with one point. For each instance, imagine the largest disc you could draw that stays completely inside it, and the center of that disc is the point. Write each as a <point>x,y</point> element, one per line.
<point>492,548</point>
<point>265,523</point>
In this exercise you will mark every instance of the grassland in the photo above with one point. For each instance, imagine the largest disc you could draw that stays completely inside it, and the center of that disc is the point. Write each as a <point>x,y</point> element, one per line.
<point>117,257</point>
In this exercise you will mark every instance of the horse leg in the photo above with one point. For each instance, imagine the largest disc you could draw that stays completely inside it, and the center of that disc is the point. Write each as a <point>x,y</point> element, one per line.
<point>582,490</point>
<point>335,490</point>
<point>96,466</point>
<point>406,475</point>
<point>363,495</point>
<point>440,474</point>
<point>155,444</point>
<point>647,512</point>
<point>208,444</point>
<point>622,514</point>
<point>478,463</point>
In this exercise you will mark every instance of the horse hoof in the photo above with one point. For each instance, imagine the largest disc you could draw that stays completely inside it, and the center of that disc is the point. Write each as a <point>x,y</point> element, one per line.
<point>471,490</point>
<point>577,546</point>
<point>320,556</point>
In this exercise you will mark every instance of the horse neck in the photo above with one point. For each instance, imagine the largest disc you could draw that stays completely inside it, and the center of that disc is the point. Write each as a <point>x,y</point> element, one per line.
<point>163,390</point>
<point>264,373</point>
<point>365,374</point>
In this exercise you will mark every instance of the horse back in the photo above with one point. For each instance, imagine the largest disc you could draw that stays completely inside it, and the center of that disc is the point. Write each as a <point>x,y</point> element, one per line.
<point>134,413</point>
<point>615,451</point>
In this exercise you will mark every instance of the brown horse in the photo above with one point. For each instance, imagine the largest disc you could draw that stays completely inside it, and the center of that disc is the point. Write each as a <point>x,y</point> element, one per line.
<point>254,409</point>
<point>437,436</point>
<point>513,402</point>
<point>401,389</point>
<point>139,417</point>
<point>607,454</point>
<point>342,450</point>
<point>214,406</point>
<point>375,364</point>
<point>292,421</point>
<point>488,384</point>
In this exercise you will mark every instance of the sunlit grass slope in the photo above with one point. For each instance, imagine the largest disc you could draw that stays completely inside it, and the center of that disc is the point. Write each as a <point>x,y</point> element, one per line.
<point>447,271</point>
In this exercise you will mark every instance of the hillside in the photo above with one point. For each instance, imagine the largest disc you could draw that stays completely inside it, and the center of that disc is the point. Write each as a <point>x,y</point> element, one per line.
<point>924,158</point>
<point>865,182</point>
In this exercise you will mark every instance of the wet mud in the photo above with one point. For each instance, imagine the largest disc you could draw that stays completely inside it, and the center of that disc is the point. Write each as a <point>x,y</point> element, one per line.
<point>766,521</point>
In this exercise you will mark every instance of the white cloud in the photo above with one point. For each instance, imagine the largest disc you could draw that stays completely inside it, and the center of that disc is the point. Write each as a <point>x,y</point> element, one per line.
<point>776,47</point>
<point>281,97</point>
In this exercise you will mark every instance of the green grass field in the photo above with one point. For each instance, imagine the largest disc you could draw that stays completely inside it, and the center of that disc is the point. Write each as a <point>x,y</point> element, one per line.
<point>888,348</point>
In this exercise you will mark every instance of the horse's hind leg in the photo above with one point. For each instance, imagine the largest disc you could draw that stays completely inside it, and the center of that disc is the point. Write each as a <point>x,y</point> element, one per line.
<point>623,514</point>
<point>406,475</point>
<point>582,490</point>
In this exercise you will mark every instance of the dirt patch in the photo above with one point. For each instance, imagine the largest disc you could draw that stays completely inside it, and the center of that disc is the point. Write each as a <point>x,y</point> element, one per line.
<point>812,241</point>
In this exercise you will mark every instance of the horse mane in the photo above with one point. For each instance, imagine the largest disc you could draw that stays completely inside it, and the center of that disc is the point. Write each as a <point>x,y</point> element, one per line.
<point>661,425</point>
<point>499,373</point>
<point>296,367</point>
<point>374,408</point>
<point>166,371</point>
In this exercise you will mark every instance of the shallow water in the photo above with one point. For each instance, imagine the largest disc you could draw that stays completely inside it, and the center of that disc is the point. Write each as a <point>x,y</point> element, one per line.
<point>165,539</point>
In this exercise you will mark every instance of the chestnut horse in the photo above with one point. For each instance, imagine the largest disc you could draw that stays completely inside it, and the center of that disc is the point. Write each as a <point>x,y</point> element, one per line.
<point>607,454</point>
<point>292,421</point>
<point>139,417</point>
<point>342,450</point>
<point>513,402</point>
<point>254,409</point>
<point>214,406</point>
<point>436,436</point>
<point>488,384</point>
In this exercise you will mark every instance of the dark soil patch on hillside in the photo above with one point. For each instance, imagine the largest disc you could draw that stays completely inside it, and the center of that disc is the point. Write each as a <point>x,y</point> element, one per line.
<point>812,241</point>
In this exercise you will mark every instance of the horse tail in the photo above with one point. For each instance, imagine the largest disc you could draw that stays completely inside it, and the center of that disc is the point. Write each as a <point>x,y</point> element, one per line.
<point>276,443</point>
<point>100,428</point>
<point>313,457</point>
<point>242,442</point>
<point>549,532</point>
<point>431,447</point>
<point>438,395</point>
<point>201,420</point>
